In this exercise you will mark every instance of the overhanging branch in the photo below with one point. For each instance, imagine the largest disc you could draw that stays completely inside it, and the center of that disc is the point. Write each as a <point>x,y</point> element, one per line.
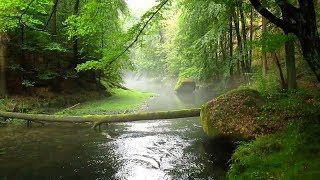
<point>48,21</point>
<point>140,32</point>
<point>284,25</point>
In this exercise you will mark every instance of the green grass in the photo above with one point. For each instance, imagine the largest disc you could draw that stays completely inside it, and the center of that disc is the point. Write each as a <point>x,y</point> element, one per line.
<point>291,154</point>
<point>122,101</point>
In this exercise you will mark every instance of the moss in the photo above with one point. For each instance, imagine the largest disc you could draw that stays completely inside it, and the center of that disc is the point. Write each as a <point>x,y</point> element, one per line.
<point>185,85</point>
<point>291,154</point>
<point>233,113</point>
<point>207,127</point>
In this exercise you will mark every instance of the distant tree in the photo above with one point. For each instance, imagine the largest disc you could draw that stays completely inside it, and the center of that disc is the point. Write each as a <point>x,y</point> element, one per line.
<point>3,62</point>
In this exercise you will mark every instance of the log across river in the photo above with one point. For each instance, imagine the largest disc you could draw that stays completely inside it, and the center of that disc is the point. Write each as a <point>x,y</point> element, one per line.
<point>97,120</point>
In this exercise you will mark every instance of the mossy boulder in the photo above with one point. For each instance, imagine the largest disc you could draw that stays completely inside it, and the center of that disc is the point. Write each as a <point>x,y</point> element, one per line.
<point>235,114</point>
<point>185,85</point>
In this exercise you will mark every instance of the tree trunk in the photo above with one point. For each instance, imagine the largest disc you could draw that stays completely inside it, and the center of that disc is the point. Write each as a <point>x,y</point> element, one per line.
<point>3,61</point>
<point>231,48</point>
<point>75,37</point>
<point>23,56</point>
<point>311,53</point>
<point>54,22</point>
<point>251,35</point>
<point>239,40</point>
<point>264,52</point>
<point>100,119</point>
<point>222,47</point>
<point>290,64</point>
<point>246,68</point>
<point>309,37</point>
<point>281,77</point>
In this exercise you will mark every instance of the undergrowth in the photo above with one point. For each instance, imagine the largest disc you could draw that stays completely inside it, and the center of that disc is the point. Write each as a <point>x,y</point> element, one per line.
<point>291,154</point>
<point>290,104</point>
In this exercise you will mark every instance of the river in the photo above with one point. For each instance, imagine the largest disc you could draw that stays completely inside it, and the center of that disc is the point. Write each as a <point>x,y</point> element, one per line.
<point>163,149</point>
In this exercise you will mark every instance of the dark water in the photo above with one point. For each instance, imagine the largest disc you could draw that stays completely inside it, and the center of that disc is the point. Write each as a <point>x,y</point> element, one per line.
<point>164,149</point>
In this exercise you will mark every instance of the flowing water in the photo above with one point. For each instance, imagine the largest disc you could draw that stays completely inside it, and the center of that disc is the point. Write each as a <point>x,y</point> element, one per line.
<point>163,149</point>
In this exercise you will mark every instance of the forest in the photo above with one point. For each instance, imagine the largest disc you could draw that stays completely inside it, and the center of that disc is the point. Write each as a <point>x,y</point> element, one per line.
<point>231,89</point>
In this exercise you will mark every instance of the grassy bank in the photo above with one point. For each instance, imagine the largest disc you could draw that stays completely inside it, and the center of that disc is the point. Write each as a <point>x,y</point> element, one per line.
<point>47,102</point>
<point>121,101</point>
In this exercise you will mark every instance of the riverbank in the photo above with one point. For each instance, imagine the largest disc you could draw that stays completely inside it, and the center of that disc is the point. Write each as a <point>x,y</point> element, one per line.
<point>282,129</point>
<point>121,101</point>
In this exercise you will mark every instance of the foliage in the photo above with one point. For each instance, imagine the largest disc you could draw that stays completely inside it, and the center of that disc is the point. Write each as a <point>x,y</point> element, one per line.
<point>292,104</point>
<point>266,85</point>
<point>12,11</point>
<point>27,83</point>
<point>292,154</point>
<point>97,26</point>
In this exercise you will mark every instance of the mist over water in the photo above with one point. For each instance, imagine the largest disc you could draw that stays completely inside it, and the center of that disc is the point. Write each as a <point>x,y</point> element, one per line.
<point>167,98</point>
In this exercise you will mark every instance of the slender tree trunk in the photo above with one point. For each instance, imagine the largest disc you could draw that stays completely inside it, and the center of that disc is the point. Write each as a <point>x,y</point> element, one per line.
<point>247,68</point>
<point>222,47</point>
<point>239,40</point>
<point>231,47</point>
<point>22,47</point>
<point>54,23</point>
<point>281,76</point>
<point>3,61</point>
<point>217,65</point>
<point>251,35</point>
<point>75,38</point>
<point>264,53</point>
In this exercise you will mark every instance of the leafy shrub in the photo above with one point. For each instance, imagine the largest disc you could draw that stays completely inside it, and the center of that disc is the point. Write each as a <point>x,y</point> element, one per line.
<point>267,85</point>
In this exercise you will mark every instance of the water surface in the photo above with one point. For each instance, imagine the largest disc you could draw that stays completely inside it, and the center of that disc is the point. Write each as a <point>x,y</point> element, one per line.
<point>162,149</point>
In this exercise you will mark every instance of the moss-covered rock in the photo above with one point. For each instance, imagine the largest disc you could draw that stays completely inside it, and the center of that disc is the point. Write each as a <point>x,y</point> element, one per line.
<point>234,113</point>
<point>185,85</point>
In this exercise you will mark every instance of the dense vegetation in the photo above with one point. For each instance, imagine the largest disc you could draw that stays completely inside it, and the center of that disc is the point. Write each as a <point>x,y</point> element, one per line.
<point>225,41</point>
<point>43,42</point>
<point>51,48</point>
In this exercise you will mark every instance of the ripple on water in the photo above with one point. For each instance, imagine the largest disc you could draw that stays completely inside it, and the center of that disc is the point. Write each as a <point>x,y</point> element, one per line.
<point>147,156</point>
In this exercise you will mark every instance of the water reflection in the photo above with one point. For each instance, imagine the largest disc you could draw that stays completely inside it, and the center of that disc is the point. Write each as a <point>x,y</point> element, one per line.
<point>164,149</point>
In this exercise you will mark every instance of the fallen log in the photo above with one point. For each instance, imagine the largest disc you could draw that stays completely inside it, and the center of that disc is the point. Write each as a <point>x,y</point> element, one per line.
<point>97,120</point>
<point>146,116</point>
<point>45,118</point>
